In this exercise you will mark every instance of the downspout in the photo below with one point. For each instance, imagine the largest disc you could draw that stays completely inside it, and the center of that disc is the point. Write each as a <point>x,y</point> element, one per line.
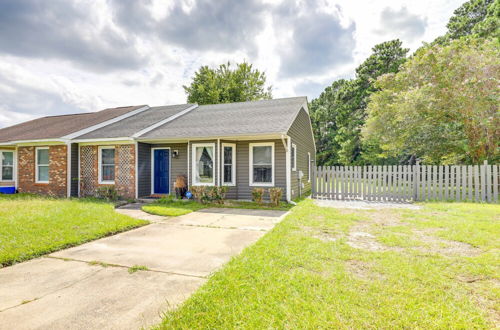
<point>218,162</point>
<point>68,169</point>
<point>188,169</point>
<point>288,146</point>
<point>16,171</point>
<point>79,178</point>
<point>136,170</point>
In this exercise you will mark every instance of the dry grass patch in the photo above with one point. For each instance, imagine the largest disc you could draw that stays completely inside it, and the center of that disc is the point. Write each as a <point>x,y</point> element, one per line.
<point>363,270</point>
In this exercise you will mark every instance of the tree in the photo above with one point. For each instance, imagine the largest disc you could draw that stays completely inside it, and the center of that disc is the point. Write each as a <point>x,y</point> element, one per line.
<point>224,85</point>
<point>490,26</point>
<point>474,17</point>
<point>442,106</point>
<point>339,113</point>
<point>324,122</point>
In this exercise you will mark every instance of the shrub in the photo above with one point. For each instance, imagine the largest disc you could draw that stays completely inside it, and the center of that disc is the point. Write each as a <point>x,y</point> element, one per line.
<point>166,199</point>
<point>257,195</point>
<point>275,195</point>
<point>208,194</point>
<point>198,193</point>
<point>107,192</point>
<point>218,194</point>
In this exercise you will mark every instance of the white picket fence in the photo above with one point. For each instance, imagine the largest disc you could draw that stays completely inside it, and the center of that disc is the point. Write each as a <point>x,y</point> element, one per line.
<point>405,183</point>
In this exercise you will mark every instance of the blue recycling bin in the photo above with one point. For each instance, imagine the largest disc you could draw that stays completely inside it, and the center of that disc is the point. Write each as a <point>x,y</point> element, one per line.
<point>7,190</point>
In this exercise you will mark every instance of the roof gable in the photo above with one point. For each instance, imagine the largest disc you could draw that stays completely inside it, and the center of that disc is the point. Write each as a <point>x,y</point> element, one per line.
<point>131,125</point>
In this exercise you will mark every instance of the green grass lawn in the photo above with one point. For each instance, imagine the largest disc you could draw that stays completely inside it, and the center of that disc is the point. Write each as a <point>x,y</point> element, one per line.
<point>437,267</point>
<point>31,226</point>
<point>176,208</point>
<point>172,208</point>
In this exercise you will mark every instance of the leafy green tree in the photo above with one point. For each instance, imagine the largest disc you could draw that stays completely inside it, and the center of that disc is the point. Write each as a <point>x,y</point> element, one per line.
<point>442,106</point>
<point>490,26</point>
<point>324,122</point>
<point>474,17</point>
<point>225,85</point>
<point>340,111</point>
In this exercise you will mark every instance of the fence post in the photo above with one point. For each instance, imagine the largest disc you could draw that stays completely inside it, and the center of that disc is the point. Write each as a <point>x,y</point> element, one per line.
<point>416,172</point>
<point>482,178</point>
<point>313,179</point>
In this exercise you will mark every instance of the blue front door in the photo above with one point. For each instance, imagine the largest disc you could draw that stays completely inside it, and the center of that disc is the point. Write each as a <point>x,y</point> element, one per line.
<point>161,174</point>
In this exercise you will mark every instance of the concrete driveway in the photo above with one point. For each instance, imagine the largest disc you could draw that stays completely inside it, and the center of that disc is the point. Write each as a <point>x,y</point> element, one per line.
<point>90,287</point>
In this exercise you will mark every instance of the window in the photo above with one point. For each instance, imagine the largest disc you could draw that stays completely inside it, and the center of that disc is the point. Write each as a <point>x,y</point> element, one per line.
<point>309,167</point>
<point>261,164</point>
<point>293,156</point>
<point>42,165</point>
<point>6,165</point>
<point>203,164</point>
<point>229,164</point>
<point>107,165</point>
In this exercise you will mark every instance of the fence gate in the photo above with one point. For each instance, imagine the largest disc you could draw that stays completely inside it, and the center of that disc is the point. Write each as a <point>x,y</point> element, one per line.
<point>405,183</point>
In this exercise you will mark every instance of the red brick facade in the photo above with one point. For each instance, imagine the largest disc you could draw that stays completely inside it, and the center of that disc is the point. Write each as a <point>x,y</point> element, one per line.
<point>124,170</point>
<point>58,167</point>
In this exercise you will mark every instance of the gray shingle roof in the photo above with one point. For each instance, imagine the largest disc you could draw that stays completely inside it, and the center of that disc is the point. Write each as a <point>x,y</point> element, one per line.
<point>232,119</point>
<point>58,126</point>
<point>131,125</point>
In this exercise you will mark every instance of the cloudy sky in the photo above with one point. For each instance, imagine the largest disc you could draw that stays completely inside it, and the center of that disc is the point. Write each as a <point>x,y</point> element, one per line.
<point>61,56</point>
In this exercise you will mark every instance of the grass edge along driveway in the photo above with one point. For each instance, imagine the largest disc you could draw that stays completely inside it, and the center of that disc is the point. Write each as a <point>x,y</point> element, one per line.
<point>175,208</point>
<point>31,226</point>
<point>431,268</point>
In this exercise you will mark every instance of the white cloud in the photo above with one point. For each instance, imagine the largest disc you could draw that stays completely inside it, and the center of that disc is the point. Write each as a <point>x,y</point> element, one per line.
<point>92,55</point>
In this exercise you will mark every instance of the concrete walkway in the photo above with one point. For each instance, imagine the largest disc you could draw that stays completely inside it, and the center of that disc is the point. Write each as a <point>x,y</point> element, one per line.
<point>90,287</point>
<point>134,210</point>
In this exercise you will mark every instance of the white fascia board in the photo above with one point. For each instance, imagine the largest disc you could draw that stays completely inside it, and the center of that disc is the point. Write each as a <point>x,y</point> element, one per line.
<point>234,137</point>
<point>41,141</point>
<point>105,123</point>
<point>164,121</point>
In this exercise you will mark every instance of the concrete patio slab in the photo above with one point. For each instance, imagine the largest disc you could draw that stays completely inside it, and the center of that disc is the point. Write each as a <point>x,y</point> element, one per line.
<point>100,298</point>
<point>187,250</point>
<point>232,218</point>
<point>35,278</point>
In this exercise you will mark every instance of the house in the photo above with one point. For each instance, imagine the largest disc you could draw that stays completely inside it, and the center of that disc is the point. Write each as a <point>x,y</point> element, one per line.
<point>141,149</point>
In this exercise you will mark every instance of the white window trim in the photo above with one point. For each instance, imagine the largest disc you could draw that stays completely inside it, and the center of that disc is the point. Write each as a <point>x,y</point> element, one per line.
<point>36,164</point>
<point>101,181</point>
<point>250,164</point>
<point>13,165</point>
<point>193,165</point>
<point>233,164</point>
<point>153,169</point>
<point>294,152</point>
<point>309,167</point>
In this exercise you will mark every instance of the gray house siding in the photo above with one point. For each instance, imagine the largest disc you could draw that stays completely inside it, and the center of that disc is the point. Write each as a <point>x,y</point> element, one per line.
<point>177,165</point>
<point>74,170</point>
<point>243,190</point>
<point>301,135</point>
<point>144,169</point>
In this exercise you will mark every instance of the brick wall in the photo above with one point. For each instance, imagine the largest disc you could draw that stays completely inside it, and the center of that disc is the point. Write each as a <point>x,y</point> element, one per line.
<point>57,171</point>
<point>124,170</point>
